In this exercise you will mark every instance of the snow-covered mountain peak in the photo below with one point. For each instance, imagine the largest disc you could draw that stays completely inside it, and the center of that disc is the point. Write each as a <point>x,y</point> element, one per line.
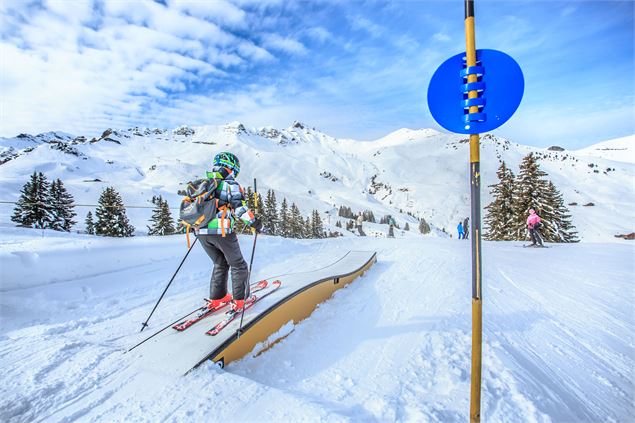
<point>412,134</point>
<point>45,137</point>
<point>409,173</point>
<point>235,127</point>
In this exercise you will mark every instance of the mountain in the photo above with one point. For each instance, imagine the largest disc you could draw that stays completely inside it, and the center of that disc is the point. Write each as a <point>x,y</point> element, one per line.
<point>422,172</point>
<point>620,149</point>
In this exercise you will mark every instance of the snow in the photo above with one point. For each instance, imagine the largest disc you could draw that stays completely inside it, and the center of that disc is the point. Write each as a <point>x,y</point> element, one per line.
<point>620,149</point>
<point>559,339</point>
<point>559,336</point>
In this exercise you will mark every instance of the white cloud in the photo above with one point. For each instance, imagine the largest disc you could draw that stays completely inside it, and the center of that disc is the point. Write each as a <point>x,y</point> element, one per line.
<point>361,23</point>
<point>72,11</point>
<point>168,20</point>
<point>441,36</point>
<point>319,33</point>
<point>138,15</point>
<point>249,49</point>
<point>289,45</point>
<point>220,11</point>
<point>61,70</point>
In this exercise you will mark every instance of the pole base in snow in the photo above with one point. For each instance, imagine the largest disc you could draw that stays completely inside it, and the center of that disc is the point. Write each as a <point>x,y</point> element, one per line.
<point>475,391</point>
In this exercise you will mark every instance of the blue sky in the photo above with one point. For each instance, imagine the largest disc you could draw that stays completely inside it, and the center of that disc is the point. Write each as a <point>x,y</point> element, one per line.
<point>352,69</point>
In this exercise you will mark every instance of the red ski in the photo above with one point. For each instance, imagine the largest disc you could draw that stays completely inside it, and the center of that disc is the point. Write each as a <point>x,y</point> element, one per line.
<point>231,314</point>
<point>205,311</point>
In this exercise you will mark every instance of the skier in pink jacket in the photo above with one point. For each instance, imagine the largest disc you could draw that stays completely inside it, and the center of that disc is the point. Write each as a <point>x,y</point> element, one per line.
<point>533,224</point>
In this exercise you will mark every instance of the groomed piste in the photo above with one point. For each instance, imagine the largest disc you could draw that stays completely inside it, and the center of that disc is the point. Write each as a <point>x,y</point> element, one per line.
<point>171,352</point>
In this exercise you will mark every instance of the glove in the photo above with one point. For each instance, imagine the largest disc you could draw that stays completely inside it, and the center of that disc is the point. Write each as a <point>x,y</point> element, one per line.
<point>257,225</point>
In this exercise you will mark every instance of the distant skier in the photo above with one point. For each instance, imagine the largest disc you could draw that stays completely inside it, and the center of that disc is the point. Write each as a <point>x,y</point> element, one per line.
<point>358,223</point>
<point>533,224</point>
<point>466,228</point>
<point>459,229</point>
<point>219,239</point>
<point>391,227</point>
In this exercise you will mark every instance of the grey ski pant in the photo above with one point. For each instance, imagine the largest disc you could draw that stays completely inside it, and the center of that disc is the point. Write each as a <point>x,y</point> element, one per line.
<point>535,237</point>
<point>225,253</point>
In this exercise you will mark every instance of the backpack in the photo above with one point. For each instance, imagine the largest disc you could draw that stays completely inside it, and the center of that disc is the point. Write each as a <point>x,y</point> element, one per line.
<point>199,206</point>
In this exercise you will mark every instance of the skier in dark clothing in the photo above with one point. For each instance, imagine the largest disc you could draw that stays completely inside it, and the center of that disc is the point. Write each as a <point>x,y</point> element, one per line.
<point>219,239</point>
<point>391,227</point>
<point>466,228</point>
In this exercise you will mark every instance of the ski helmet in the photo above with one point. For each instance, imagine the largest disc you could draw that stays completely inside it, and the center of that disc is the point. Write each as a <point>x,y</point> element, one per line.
<point>532,211</point>
<point>228,160</point>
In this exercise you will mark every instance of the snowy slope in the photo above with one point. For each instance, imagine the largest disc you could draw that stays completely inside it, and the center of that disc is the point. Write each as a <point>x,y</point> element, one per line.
<point>422,172</point>
<point>619,150</point>
<point>559,339</point>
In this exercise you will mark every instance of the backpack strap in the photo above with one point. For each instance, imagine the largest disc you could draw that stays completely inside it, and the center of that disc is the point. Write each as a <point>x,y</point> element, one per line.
<point>187,233</point>
<point>222,220</point>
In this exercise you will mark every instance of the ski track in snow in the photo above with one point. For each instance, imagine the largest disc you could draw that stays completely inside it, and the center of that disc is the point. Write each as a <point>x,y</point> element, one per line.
<point>395,345</point>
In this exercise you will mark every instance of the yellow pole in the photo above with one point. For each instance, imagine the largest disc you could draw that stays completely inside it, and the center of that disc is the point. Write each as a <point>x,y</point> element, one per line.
<point>475,184</point>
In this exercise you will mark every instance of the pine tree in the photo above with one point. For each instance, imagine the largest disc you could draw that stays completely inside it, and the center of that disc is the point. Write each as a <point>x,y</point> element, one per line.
<point>557,226</point>
<point>33,209</point>
<point>317,227</point>
<point>500,219</point>
<point>424,228</point>
<point>283,224</point>
<point>260,203</point>
<point>111,215</point>
<point>529,193</point>
<point>62,207</point>
<point>90,225</point>
<point>270,212</point>
<point>264,211</point>
<point>161,221</point>
<point>306,228</point>
<point>310,225</point>
<point>345,212</point>
<point>296,222</point>
<point>368,216</point>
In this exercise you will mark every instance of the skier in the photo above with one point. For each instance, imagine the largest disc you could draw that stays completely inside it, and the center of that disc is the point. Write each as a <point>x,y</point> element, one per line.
<point>359,221</point>
<point>219,240</point>
<point>391,225</point>
<point>466,228</point>
<point>533,224</point>
<point>459,228</point>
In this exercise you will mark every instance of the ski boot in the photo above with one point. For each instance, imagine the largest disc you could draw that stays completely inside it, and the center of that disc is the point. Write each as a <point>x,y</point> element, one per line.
<point>212,304</point>
<point>237,305</point>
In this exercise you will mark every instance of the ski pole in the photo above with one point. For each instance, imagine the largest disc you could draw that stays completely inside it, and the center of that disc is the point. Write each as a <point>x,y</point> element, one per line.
<point>143,325</point>
<point>251,262</point>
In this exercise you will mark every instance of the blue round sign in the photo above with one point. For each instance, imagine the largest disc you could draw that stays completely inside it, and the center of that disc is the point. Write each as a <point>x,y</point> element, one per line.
<point>500,85</point>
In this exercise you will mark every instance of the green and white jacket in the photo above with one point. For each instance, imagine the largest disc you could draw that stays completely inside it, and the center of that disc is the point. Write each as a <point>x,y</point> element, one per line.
<point>232,205</point>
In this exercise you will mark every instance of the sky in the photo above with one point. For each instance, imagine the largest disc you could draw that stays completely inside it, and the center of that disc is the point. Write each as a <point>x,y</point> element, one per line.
<point>352,69</point>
